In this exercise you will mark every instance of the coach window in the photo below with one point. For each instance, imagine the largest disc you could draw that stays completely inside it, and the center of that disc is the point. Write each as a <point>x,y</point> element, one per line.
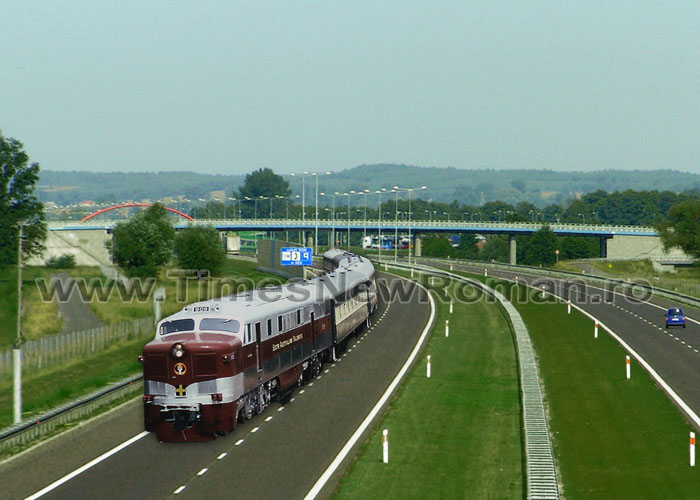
<point>248,336</point>
<point>269,327</point>
<point>279,324</point>
<point>298,316</point>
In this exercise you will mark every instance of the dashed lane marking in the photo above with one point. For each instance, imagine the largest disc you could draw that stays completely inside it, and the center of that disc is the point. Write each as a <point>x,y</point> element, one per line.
<point>254,430</point>
<point>179,490</point>
<point>239,442</point>
<point>202,472</point>
<point>268,418</point>
<point>222,456</point>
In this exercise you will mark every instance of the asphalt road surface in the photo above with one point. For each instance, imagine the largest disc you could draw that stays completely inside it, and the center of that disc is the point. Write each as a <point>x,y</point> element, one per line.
<point>278,454</point>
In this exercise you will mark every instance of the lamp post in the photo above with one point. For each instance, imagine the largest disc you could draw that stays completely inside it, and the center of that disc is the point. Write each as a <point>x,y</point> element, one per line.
<point>17,350</point>
<point>316,221</point>
<point>379,213</point>
<point>409,191</point>
<point>333,216</point>
<point>351,193</point>
<point>303,193</point>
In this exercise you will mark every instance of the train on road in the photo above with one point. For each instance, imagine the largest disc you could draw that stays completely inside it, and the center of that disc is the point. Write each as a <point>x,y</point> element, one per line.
<point>221,361</point>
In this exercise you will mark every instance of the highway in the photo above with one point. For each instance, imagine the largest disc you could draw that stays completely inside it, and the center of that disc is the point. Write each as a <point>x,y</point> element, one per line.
<point>278,454</point>
<point>674,353</point>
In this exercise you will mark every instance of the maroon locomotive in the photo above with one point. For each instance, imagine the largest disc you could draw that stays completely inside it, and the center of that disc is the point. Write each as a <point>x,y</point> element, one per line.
<point>222,361</point>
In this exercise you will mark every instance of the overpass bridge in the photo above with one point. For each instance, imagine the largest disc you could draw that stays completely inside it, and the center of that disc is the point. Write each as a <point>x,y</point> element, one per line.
<point>616,242</point>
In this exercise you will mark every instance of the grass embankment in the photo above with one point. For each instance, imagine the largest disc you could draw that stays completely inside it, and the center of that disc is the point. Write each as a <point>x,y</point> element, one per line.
<point>682,279</point>
<point>236,275</point>
<point>38,318</point>
<point>51,388</point>
<point>457,434</point>
<point>613,438</point>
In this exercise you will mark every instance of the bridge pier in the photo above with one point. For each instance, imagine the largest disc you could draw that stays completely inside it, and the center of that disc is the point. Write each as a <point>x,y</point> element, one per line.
<point>604,248</point>
<point>512,250</point>
<point>417,247</point>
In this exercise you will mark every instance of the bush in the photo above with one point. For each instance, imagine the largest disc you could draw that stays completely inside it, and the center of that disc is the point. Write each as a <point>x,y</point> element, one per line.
<point>65,261</point>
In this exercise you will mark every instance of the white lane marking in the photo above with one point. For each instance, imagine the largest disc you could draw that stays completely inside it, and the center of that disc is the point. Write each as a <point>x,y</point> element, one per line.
<point>268,419</point>
<point>320,483</point>
<point>202,472</point>
<point>256,429</point>
<point>179,490</point>
<point>292,400</point>
<point>87,466</point>
<point>302,391</point>
<point>220,457</point>
<point>239,442</point>
<point>280,408</point>
<point>326,371</point>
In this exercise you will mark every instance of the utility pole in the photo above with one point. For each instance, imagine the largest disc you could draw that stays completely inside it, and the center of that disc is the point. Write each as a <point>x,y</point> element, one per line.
<point>17,350</point>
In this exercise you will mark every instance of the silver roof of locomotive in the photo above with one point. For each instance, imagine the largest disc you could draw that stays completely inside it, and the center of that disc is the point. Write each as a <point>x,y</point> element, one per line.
<point>263,303</point>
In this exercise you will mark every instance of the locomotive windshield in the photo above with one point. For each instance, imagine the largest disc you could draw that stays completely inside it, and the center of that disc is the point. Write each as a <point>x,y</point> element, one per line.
<point>220,324</point>
<point>178,325</point>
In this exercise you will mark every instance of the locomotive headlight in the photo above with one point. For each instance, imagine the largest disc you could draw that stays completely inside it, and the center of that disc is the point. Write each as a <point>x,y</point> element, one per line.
<point>178,350</point>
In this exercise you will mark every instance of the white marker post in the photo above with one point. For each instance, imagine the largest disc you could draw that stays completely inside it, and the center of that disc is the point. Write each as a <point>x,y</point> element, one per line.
<point>627,363</point>
<point>447,328</point>
<point>385,445</point>
<point>542,291</point>
<point>486,272</point>
<point>516,281</point>
<point>568,307</point>
<point>428,373</point>
<point>692,449</point>
<point>450,307</point>
<point>450,267</point>
<point>595,332</point>
<point>411,272</point>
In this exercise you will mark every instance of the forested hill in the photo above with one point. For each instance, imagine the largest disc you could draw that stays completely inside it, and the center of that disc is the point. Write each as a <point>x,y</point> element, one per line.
<point>474,187</point>
<point>74,187</point>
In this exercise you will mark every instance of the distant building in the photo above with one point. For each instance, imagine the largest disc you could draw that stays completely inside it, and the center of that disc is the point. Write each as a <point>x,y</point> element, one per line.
<point>87,203</point>
<point>218,196</point>
<point>168,199</point>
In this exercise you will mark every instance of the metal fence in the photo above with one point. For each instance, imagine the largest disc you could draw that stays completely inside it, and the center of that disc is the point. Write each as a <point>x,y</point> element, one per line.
<point>55,350</point>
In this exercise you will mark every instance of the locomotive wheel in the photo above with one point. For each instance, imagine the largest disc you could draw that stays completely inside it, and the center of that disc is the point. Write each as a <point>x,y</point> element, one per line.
<point>286,396</point>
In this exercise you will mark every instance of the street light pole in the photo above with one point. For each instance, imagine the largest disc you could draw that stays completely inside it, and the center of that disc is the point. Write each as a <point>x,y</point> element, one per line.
<point>17,351</point>
<point>409,191</point>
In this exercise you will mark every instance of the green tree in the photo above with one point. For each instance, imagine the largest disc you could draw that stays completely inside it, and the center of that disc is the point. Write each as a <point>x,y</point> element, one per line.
<point>681,228</point>
<point>18,203</point>
<point>495,248</point>
<point>199,248</point>
<point>467,247</point>
<point>144,243</point>
<point>269,189</point>
<point>438,247</point>
<point>539,248</point>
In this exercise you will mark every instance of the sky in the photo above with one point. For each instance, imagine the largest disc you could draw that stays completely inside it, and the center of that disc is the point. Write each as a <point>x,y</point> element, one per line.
<point>229,87</point>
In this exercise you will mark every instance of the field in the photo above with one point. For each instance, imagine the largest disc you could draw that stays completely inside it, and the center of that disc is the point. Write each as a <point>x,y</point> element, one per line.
<point>457,434</point>
<point>613,438</point>
<point>38,318</point>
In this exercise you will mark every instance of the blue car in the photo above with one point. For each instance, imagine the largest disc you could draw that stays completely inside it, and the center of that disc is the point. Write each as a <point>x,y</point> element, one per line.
<point>675,317</point>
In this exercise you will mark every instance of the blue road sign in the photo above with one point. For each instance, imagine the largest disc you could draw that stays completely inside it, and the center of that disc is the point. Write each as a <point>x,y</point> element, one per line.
<point>297,257</point>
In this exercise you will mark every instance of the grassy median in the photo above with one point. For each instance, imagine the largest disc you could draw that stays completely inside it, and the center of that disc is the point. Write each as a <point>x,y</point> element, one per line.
<point>613,438</point>
<point>457,434</point>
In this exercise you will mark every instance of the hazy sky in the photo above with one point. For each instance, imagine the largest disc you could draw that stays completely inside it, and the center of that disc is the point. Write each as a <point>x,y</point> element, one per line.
<point>228,87</point>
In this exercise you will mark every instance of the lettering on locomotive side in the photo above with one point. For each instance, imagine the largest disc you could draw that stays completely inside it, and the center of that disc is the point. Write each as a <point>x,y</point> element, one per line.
<point>285,343</point>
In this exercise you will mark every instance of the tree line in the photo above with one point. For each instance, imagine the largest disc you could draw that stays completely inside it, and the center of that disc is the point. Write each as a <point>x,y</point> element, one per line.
<point>265,194</point>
